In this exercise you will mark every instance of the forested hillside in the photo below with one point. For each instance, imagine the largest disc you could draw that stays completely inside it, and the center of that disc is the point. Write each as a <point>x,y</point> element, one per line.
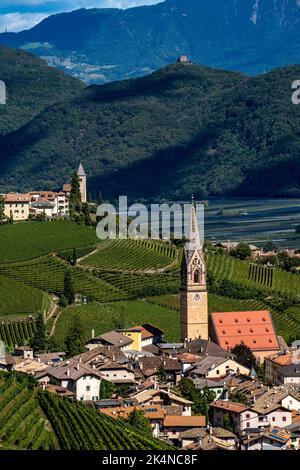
<point>183,129</point>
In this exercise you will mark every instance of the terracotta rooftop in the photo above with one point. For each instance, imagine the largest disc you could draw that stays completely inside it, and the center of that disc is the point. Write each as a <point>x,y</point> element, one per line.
<point>229,406</point>
<point>282,359</point>
<point>16,197</point>
<point>185,421</point>
<point>253,328</point>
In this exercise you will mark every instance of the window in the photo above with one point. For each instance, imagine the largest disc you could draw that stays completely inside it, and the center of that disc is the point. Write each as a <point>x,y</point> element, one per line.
<point>248,415</point>
<point>248,425</point>
<point>283,418</point>
<point>196,277</point>
<point>88,388</point>
<point>273,418</point>
<point>217,372</point>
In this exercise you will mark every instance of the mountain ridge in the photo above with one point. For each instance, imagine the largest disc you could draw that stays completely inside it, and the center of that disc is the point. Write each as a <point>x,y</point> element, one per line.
<point>252,36</point>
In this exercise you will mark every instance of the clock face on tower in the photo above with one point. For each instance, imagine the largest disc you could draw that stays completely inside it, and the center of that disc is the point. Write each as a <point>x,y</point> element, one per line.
<point>197,297</point>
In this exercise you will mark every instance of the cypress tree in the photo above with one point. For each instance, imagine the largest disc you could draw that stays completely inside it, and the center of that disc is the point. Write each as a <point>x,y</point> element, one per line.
<point>75,195</point>
<point>38,342</point>
<point>69,291</point>
<point>75,337</point>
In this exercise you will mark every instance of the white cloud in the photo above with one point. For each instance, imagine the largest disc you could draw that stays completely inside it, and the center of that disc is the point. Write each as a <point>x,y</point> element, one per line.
<point>19,21</point>
<point>16,15</point>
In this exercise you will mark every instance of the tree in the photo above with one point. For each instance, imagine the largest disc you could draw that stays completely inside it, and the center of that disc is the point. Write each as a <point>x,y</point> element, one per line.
<point>242,251</point>
<point>74,257</point>
<point>227,422</point>
<point>200,398</point>
<point>69,291</point>
<point>100,199</point>
<point>244,355</point>
<point>138,420</point>
<point>38,342</point>
<point>75,194</point>
<point>270,246</point>
<point>74,340</point>
<point>162,375</point>
<point>1,208</point>
<point>121,320</point>
<point>89,198</point>
<point>107,389</point>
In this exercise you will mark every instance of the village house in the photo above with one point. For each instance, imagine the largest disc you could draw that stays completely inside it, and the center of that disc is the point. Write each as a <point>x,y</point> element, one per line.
<point>16,206</point>
<point>212,367</point>
<point>271,439</point>
<point>78,378</point>
<point>112,338</point>
<point>241,417</point>
<point>152,367</point>
<point>173,426</point>
<point>272,363</point>
<point>164,398</point>
<point>208,439</point>
<point>255,329</point>
<point>218,387</point>
<point>117,373</point>
<point>289,374</point>
<point>143,336</point>
<point>155,414</point>
<point>49,203</point>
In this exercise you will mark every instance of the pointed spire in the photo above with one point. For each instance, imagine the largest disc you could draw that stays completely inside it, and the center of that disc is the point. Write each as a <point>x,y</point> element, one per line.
<point>193,238</point>
<point>81,171</point>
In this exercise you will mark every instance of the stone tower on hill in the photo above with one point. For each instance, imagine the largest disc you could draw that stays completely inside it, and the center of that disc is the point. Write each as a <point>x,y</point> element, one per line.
<point>82,181</point>
<point>193,295</point>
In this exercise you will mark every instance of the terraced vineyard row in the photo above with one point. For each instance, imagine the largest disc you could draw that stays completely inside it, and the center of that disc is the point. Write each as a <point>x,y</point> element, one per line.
<point>142,285</point>
<point>288,323</point>
<point>135,255</point>
<point>22,422</point>
<point>47,273</point>
<point>79,427</point>
<point>33,419</point>
<point>244,272</point>
<point>15,332</point>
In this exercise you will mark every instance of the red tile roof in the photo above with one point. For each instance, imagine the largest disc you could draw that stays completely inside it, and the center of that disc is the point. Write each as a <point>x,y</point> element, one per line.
<point>16,197</point>
<point>254,328</point>
<point>185,421</point>
<point>229,406</point>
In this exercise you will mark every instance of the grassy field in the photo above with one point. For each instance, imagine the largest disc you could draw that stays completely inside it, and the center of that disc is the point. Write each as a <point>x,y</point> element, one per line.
<point>27,240</point>
<point>18,299</point>
<point>100,318</point>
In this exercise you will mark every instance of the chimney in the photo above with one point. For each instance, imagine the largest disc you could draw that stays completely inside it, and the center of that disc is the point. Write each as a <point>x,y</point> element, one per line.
<point>68,372</point>
<point>78,365</point>
<point>94,366</point>
<point>93,334</point>
<point>79,358</point>
<point>141,365</point>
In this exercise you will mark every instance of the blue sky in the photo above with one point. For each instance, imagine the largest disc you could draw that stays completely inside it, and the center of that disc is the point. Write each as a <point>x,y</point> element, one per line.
<point>16,15</point>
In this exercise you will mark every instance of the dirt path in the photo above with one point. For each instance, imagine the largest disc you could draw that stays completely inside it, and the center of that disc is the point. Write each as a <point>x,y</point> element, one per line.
<point>52,331</point>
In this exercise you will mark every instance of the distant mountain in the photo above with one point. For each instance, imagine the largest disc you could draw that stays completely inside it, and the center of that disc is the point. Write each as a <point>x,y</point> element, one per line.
<point>31,87</point>
<point>183,129</point>
<point>252,36</point>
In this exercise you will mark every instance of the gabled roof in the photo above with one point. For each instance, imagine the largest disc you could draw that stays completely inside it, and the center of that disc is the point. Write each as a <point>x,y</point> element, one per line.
<point>17,198</point>
<point>115,339</point>
<point>70,370</point>
<point>204,347</point>
<point>235,407</point>
<point>253,328</point>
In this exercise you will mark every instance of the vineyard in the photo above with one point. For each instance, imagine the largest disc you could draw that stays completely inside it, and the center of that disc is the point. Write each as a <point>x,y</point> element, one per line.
<point>18,299</point>
<point>33,419</point>
<point>47,273</point>
<point>244,272</point>
<point>16,332</point>
<point>135,255</point>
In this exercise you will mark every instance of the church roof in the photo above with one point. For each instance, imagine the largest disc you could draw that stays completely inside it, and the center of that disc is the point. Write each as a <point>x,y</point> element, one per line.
<point>81,171</point>
<point>193,237</point>
<point>253,328</point>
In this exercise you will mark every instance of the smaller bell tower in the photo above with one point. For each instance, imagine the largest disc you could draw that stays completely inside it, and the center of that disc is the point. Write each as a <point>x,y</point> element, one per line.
<point>193,295</point>
<point>82,181</point>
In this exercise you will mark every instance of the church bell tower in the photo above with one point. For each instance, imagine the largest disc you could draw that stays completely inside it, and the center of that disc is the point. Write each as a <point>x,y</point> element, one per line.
<point>193,295</point>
